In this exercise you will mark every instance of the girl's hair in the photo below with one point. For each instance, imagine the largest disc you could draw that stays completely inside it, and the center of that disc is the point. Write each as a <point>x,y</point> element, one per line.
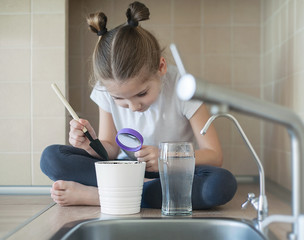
<point>125,51</point>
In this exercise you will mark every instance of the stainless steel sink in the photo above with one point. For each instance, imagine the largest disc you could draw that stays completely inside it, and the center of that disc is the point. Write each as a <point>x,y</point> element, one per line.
<point>163,228</point>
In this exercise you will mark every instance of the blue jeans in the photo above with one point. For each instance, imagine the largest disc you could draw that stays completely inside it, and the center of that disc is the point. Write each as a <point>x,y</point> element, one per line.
<point>212,186</point>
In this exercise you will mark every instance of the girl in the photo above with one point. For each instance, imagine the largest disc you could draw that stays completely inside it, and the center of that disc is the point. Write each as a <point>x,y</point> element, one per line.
<point>135,88</point>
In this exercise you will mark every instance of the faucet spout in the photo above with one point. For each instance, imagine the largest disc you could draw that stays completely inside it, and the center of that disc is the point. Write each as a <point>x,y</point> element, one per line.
<point>262,206</point>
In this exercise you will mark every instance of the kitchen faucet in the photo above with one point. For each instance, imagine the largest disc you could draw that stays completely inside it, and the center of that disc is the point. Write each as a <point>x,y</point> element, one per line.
<point>260,203</point>
<point>188,88</point>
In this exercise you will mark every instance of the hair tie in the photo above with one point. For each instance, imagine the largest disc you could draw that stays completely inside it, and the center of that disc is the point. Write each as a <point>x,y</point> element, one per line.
<point>102,32</point>
<point>133,23</point>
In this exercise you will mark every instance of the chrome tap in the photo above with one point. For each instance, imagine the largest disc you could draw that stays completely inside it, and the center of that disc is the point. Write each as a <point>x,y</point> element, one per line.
<point>259,203</point>
<point>189,88</point>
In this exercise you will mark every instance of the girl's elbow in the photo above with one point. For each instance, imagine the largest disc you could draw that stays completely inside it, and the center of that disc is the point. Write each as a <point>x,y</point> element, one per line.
<point>219,159</point>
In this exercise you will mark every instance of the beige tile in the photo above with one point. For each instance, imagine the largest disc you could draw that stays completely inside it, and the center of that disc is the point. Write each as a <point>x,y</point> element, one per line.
<point>246,12</point>
<point>251,127</point>
<point>275,31</point>
<point>187,12</point>
<point>39,178</point>
<point>242,161</point>
<point>44,6</point>
<point>217,69</point>
<point>217,12</point>
<point>216,40</point>
<point>284,23</point>
<point>10,37</point>
<point>76,95</point>
<point>268,93</point>
<point>246,40</point>
<point>254,91</point>
<point>49,30</point>
<point>16,135</point>
<point>91,108</point>
<point>15,168</point>
<point>76,40</point>
<point>246,70</point>
<point>268,134</point>
<point>291,18</point>
<point>270,164</point>
<point>47,131</point>
<point>15,6</point>
<point>227,160</point>
<point>299,48</point>
<point>284,170</point>
<point>118,13</point>
<point>76,71</point>
<point>224,130</point>
<point>164,35</point>
<point>185,44</point>
<point>287,97</point>
<point>280,63</point>
<point>281,139</point>
<point>90,39</point>
<point>193,64</point>
<point>290,56</point>
<point>267,9</point>
<point>268,36</point>
<point>15,65</point>
<point>49,65</point>
<point>45,101</point>
<point>298,97</point>
<point>16,100</point>
<point>267,68</point>
<point>299,14</point>
<point>160,12</point>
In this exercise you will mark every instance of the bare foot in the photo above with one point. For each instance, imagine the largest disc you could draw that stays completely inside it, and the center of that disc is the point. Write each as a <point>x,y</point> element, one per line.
<point>67,193</point>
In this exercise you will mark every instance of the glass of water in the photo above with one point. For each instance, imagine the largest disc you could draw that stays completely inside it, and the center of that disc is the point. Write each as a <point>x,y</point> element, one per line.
<point>176,164</point>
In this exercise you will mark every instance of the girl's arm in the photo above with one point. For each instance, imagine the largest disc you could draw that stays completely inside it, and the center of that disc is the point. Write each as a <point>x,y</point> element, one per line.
<point>107,133</point>
<point>210,151</point>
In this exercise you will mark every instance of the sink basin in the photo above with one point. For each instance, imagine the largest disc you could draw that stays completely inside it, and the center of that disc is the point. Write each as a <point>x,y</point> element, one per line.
<point>163,228</point>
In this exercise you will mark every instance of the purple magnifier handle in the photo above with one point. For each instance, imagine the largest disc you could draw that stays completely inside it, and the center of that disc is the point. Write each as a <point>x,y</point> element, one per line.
<point>129,139</point>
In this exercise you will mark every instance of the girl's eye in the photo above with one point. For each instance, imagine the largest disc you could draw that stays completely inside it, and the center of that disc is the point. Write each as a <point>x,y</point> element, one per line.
<point>142,94</point>
<point>116,98</point>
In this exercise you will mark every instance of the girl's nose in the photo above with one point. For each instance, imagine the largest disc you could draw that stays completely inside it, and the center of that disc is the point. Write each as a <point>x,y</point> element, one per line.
<point>134,106</point>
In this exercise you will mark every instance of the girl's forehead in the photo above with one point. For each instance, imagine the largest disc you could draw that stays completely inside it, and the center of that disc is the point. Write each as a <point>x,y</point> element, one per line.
<point>125,89</point>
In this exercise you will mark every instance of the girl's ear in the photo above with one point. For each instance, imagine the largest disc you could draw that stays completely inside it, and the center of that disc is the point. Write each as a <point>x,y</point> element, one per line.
<point>162,66</point>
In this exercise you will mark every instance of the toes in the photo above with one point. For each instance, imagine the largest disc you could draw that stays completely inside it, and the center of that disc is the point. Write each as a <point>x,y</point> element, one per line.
<point>59,185</point>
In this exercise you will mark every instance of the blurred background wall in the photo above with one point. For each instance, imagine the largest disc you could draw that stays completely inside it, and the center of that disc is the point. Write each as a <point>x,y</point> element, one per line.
<point>252,46</point>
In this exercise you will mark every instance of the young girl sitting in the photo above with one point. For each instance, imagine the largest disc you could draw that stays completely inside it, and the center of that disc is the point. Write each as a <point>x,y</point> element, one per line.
<point>134,88</point>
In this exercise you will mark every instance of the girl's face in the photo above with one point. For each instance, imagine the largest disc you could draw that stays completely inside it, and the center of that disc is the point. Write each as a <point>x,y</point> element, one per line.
<point>135,94</point>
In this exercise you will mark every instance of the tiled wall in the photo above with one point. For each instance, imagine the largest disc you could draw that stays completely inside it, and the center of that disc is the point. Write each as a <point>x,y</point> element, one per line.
<point>32,56</point>
<point>283,83</point>
<point>253,46</point>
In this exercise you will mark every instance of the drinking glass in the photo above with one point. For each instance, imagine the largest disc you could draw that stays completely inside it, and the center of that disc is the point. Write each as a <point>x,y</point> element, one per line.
<point>176,164</point>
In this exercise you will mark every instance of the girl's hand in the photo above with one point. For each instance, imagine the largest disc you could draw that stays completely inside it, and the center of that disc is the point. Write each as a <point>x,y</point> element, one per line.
<point>148,154</point>
<point>77,137</point>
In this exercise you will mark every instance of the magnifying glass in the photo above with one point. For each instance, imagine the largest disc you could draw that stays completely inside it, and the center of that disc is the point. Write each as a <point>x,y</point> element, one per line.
<point>129,139</point>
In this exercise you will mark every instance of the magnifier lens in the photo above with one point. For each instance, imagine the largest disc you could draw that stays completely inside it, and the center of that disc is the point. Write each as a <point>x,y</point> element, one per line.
<point>129,140</point>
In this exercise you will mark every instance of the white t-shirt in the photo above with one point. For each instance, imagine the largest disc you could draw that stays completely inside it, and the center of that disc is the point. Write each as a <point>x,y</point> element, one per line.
<point>167,119</point>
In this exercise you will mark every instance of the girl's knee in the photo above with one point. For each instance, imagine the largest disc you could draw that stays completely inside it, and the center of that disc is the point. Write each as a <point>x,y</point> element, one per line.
<point>220,187</point>
<point>48,159</point>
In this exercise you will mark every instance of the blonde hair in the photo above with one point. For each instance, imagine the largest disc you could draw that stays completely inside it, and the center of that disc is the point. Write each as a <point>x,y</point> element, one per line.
<point>125,51</point>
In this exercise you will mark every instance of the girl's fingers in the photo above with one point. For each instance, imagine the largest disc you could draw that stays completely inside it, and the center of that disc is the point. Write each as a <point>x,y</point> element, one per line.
<point>76,125</point>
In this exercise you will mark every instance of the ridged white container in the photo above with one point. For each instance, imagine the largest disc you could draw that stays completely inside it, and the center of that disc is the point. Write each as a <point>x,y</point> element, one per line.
<point>120,185</point>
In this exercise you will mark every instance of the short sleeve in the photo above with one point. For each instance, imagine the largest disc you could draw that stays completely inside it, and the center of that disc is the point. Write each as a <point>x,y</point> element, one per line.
<point>188,108</point>
<point>102,98</point>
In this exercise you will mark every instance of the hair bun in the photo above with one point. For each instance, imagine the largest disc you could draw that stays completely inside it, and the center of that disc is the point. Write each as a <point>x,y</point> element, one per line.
<point>97,23</point>
<point>137,12</point>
